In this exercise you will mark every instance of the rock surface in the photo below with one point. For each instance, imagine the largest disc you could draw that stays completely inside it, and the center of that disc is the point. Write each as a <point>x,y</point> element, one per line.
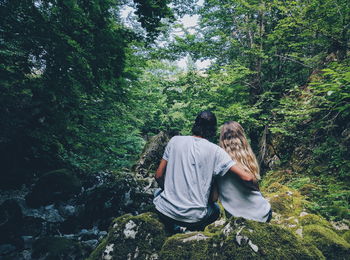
<point>54,186</point>
<point>152,154</point>
<point>132,237</point>
<point>143,237</point>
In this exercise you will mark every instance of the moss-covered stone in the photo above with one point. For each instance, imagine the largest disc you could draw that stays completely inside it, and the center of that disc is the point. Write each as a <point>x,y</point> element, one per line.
<point>327,241</point>
<point>311,219</point>
<point>132,237</point>
<point>346,236</point>
<point>56,248</point>
<point>193,245</point>
<point>286,201</point>
<point>53,186</point>
<point>240,239</point>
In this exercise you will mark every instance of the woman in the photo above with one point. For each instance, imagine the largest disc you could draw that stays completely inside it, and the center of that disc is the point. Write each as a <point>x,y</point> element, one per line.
<point>238,198</point>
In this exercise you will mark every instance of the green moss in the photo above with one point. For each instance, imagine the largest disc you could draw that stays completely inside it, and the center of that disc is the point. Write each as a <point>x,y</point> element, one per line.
<point>135,237</point>
<point>287,202</point>
<point>272,241</point>
<point>240,239</point>
<point>311,219</point>
<point>193,245</point>
<point>277,176</point>
<point>346,236</point>
<point>216,226</point>
<point>97,253</point>
<point>275,187</point>
<point>297,183</point>
<point>327,241</point>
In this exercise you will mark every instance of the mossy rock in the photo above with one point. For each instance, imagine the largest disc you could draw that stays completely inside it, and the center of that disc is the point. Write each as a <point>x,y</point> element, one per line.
<point>152,154</point>
<point>57,248</point>
<point>217,226</point>
<point>193,245</point>
<point>275,187</point>
<point>311,219</point>
<point>54,186</point>
<point>327,241</point>
<point>132,237</point>
<point>288,203</point>
<point>346,236</point>
<point>240,239</point>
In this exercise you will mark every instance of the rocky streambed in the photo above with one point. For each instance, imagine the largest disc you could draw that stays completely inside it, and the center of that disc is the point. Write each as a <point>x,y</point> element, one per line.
<point>65,216</point>
<point>62,214</point>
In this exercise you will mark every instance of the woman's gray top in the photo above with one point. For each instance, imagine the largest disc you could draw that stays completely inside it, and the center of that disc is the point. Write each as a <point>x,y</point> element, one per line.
<point>241,201</point>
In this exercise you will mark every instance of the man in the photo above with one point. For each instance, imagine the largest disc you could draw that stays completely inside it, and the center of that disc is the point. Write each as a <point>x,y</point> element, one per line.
<point>186,172</point>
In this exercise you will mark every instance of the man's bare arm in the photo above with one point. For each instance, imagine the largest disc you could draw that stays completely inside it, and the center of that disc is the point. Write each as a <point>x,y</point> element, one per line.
<point>160,173</point>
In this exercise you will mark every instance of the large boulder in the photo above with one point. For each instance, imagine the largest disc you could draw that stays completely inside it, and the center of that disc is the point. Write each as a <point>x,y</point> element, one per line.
<point>239,239</point>
<point>152,154</point>
<point>120,195</point>
<point>143,237</point>
<point>54,186</point>
<point>132,237</point>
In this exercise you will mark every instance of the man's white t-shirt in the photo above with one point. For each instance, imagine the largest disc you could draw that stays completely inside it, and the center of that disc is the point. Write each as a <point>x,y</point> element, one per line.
<point>192,164</point>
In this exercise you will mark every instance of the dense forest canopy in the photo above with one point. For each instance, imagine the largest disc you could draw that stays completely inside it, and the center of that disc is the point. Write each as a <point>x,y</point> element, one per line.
<point>80,88</point>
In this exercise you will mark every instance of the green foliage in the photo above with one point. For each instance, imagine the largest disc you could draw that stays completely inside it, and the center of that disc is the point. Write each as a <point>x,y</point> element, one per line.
<point>67,83</point>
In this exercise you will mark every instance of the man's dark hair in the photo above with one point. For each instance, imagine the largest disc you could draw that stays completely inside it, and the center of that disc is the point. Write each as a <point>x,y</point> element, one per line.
<point>205,125</point>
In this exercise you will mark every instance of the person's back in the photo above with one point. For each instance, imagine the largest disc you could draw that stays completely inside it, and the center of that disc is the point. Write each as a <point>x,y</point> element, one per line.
<point>192,163</point>
<point>241,201</point>
<point>238,199</point>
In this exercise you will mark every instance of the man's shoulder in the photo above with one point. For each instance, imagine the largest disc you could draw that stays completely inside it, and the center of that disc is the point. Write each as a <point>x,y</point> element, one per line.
<point>188,138</point>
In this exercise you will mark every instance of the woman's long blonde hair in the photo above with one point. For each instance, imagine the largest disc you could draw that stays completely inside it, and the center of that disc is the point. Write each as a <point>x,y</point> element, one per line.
<point>235,143</point>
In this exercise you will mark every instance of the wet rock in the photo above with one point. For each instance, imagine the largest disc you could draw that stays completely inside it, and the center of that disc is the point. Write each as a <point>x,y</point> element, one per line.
<point>5,249</point>
<point>10,222</point>
<point>57,248</point>
<point>112,199</point>
<point>54,186</point>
